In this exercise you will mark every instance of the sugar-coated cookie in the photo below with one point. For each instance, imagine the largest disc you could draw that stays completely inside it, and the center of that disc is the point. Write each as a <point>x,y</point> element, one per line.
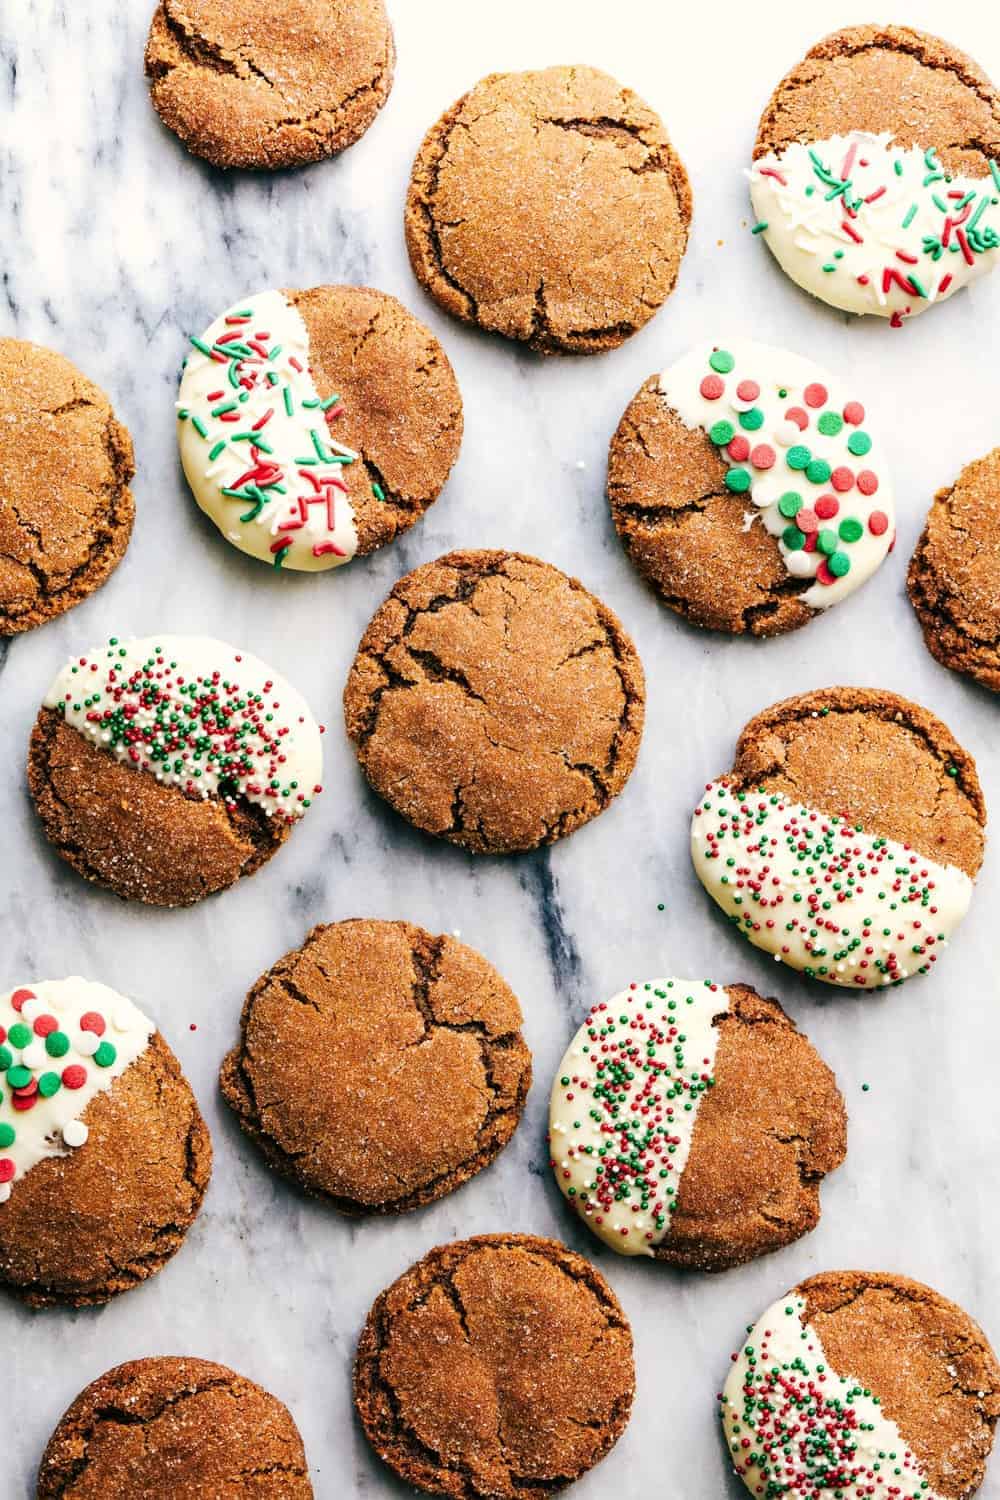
<point>498,1366</point>
<point>246,83</point>
<point>549,207</point>
<point>66,509</point>
<point>691,1122</point>
<point>495,702</point>
<point>876,171</point>
<point>954,574</point>
<point>747,487</point>
<point>104,1156</point>
<point>317,425</point>
<point>846,838</point>
<point>862,1384</point>
<point>379,1066</point>
<point>168,767</point>
<point>174,1429</point>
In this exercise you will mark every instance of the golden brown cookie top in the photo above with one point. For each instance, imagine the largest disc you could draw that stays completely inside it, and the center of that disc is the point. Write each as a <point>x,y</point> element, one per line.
<point>65,466</point>
<point>174,1427</point>
<point>502,1364</point>
<point>495,702</point>
<point>550,207</point>
<point>246,83</point>
<point>954,574</point>
<point>379,1066</point>
<point>923,90</point>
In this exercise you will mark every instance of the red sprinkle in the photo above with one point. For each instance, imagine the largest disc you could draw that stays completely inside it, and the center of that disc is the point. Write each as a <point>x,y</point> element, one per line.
<point>739,448</point>
<point>763,456</point>
<point>75,1076</point>
<point>807,520</point>
<point>19,996</point>
<point>815,395</point>
<point>826,507</point>
<point>824,575</point>
<point>45,1025</point>
<point>867,482</point>
<point>854,413</point>
<point>748,390</point>
<point>842,479</point>
<point>7,1169</point>
<point>93,1021</point>
<point>798,416</point>
<point>878,523</point>
<point>712,387</point>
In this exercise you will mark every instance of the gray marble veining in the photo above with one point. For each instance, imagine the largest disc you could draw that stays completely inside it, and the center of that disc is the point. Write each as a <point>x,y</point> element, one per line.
<point>115,245</point>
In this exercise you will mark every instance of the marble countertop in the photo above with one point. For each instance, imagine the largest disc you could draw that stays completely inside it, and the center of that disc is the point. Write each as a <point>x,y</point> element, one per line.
<point>116,244</point>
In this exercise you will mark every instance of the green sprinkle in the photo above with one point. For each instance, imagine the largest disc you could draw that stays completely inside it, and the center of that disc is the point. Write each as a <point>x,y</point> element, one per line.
<point>827,541</point>
<point>790,504</point>
<point>830,423</point>
<point>798,457</point>
<point>57,1044</point>
<point>738,480</point>
<point>851,529</point>
<point>288,400</point>
<point>220,447</point>
<point>793,538</point>
<point>759,228</point>
<point>721,433</point>
<point>49,1084</point>
<point>202,347</point>
<point>859,443</point>
<point>199,427</point>
<point>911,214</point>
<point>105,1055</point>
<point>721,361</point>
<point>378,492</point>
<point>839,564</point>
<point>818,471</point>
<point>8,1136</point>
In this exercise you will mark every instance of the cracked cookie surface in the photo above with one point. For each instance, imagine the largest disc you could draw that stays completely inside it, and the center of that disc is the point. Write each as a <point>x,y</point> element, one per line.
<point>65,463</point>
<point>379,1067</point>
<point>494,702</point>
<point>174,1429</point>
<point>245,83</point>
<point>954,574</point>
<point>497,1367</point>
<point>549,207</point>
<point>687,533</point>
<point>79,1229</point>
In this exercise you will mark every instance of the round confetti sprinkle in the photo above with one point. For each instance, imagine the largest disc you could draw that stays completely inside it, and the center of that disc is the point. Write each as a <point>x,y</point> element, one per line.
<point>75,1076</point>
<point>818,471</point>
<point>6,1058</point>
<point>44,1025</point>
<point>18,998</point>
<point>786,433</point>
<point>105,1055</point>
<point>790,504</point>
<point>49,1084</point>
<point>763,456</point>
<point>878,523</point>
<point>738,480</point>
<point>721,360</point>
<point>721,433</point>
<point>859,443</point>
<point>739,449</point>
<point>752,420</point>
<point>7,1169</point>
<point>839,564</point>
<point>8,1135</point>
<point>854,413</point>
<point>712,387</point>
<point>75,1133</point>
<point>827,541</point>
<point>18,1077</point>
<point>823,574</point>
<point>851,529</point>
<point>842,479</point>
<point>19,1035</point>
<point>57,1044</point>
<point>793,538</point>
<point>815,395</point>
<point>867,482</point>
<point>92,1020</point>
<point>748,390</point>
<point>798,457</point>
<point>798,416</point>
<point>826,507</point>
<point>807,520</point>
<point>830,423</point>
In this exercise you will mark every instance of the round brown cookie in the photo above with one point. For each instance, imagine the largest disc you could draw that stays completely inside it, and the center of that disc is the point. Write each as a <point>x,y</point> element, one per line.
<point>549,207</point>
<point>495,702</point>
<point>174,1429</point>
<point>889,765</point>
<point>80,1228</point>
<point>687,533</point>
<point>244,83</point>
<point>954,574</point>
<point>888,78</point>
<point>379,1067</point>
<point>759,1129</point>
<point>496,1366</point>
<point>65,466</point>
<point>135,809</point>
<point>875,1367</point>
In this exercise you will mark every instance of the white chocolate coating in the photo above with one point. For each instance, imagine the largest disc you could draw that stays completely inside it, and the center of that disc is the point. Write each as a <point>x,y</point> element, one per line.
<point>808,888</point>
<point>798,446</point>
<point>872,227</point>
<point>50,1125</point>
<point>243,730</point>
<point>624,1105</point>
<point>254,423</point>
<point>794,1423</point>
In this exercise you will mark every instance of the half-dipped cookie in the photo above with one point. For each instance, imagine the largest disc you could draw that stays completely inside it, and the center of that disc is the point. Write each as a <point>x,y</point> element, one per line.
<point>746,485</point>
<point>846,838</point>
<point>495,702</point>
<point>498,1366</point>
<point>862,1384</point>
<point>378,1066</point>
<point>166,768</point>
<point>316,426</point>
<point>691,1122</point>
<point>876,171</point>
<point>174,1429</point>
<point>104,1156</point>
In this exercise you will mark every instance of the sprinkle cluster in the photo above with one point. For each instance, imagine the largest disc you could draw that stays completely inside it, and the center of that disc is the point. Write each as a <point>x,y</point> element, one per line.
<point>623,1108</point>
<point>821,894</point>
<point>822,511</point>
<point>201,730</point>
<point>797,1428</point>
<point>263,386</point>
<point>34,1047</point>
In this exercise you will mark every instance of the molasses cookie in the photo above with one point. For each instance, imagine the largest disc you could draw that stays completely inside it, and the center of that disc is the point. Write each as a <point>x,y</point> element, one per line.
<point>862,1383</point>
<point>549,207</point>
<point>496,1366</point>
<point>745,484</point>
<point>104,1156</point>
<point>876,172</point>
<point>245,83</point>
<point>317,425</point>
<point>845,840</point>
<point>495,702</point>
<point>693,1123</point>
<point>954,574</point>
<point>174,1429</point>
<point>66,510</point>
<point>164,769</point>
<point>379,1067</point>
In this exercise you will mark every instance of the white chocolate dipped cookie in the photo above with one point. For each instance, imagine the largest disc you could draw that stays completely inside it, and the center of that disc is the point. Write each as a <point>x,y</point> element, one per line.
<point>314,426</point>
<point>876,173</point>
<point>681,1111</point>
<point>846,839</point>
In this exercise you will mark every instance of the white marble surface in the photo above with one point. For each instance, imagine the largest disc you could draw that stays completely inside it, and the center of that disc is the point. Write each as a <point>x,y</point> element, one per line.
<point>115,243</point>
